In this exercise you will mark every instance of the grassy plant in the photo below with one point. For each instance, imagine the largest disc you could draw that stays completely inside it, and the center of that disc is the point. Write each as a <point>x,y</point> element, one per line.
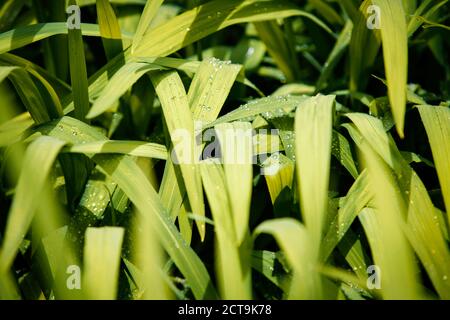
<point>325,125</point>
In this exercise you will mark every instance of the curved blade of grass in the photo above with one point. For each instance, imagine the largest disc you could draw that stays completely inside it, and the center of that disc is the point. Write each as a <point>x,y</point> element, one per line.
<point>398,271</point>
<point>339,48</point>
<point>340,148</point>
<point>178,117</point>
<point>313,129</point>
<point>213,16</point>
<point>51,99</point>
<point>269,107</point>
<point>233,274</point>
<point>101,262</point>
<point>129,177</point>
<point>207,93</point>
<point>109,29</point>
<point>363,39</point>
<point>59,86</point>
<point>120,82</point>
<point>276,43</point>
<point>218,14</point>
<point>210,88</point>
<point>354,251</point>
<point>132,148</point>
<point>423,11</point>
<point>237,154</point>
<point>78,73</point>
<point>149,257</point>
<point>150,10</point>
<point>120,2</point>
<point>30,95</point>
<point>437,124</point>
<point>356,199</point>
<point>171,193</point>
<point>12,131</point>
<point>296,243</point>
<point>395,50</point>
<point>421,223</point>
<point>42,152</point>
<point>279,174</point>
<point>264,262</point>
<point>23,36</point>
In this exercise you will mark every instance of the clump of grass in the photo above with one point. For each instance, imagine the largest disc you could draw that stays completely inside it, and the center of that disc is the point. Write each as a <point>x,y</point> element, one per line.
<point>240,149</point>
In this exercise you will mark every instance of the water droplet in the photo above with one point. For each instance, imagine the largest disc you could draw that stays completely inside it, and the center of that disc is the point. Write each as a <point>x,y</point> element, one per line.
<point>250,51</point>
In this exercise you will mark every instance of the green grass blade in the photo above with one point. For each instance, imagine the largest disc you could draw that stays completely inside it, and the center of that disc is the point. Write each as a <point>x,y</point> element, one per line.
<point>101,261</point>
<point>313,129</point>
<point>41,152</point>
<point>149,258</point>
<point>420,223</point>
<point>210,88</point>
<point>237,154</point>
<point>279,174</point>
<point>178,116</point>
<point>234,274</point>
<point>395,50</point>
<point>78,73</point>
<point>132,148</point>
<point>150,10</point>
<point>333,59</point>
<point>437,125</point>
<point>30,95</point>
<point>109,29</point>
<point>357,198</point>
<point>203,20</point>
<point>296,243</point>
<point>340,149</point>
<point>23,36</point>
<point>276,43</point>
<point>362,39</point>
<point>270,107</point>
<point>122,80</point>
<point>398,271</point>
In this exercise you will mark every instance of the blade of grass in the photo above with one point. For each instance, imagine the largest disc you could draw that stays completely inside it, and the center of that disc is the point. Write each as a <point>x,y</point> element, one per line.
<point>109,29</point>
<point>78,73</point>
<point>365,39</point>
<point>357,198</point>
<point>269,107</point>
<point>119,83</point>
<point>171,92</point>
<point>437,124</point>
<point>101,262</point>
<point>279,174</point>
<point>421,224</point>
<point>129,177</point>
<point>237,154</point>
<point>132,148</point>
<point>313,129</point>
<point>148,255</point>
<point>197,23</point>
<point>395,50</point>
<point>42,152</point>
<point>20,37</point>
<point>233,273</point>
<point>296,243</point>
<point>150,10</point>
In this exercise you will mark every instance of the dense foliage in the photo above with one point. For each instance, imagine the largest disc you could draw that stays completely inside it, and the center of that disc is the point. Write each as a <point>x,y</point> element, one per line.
<point>232,149</point>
